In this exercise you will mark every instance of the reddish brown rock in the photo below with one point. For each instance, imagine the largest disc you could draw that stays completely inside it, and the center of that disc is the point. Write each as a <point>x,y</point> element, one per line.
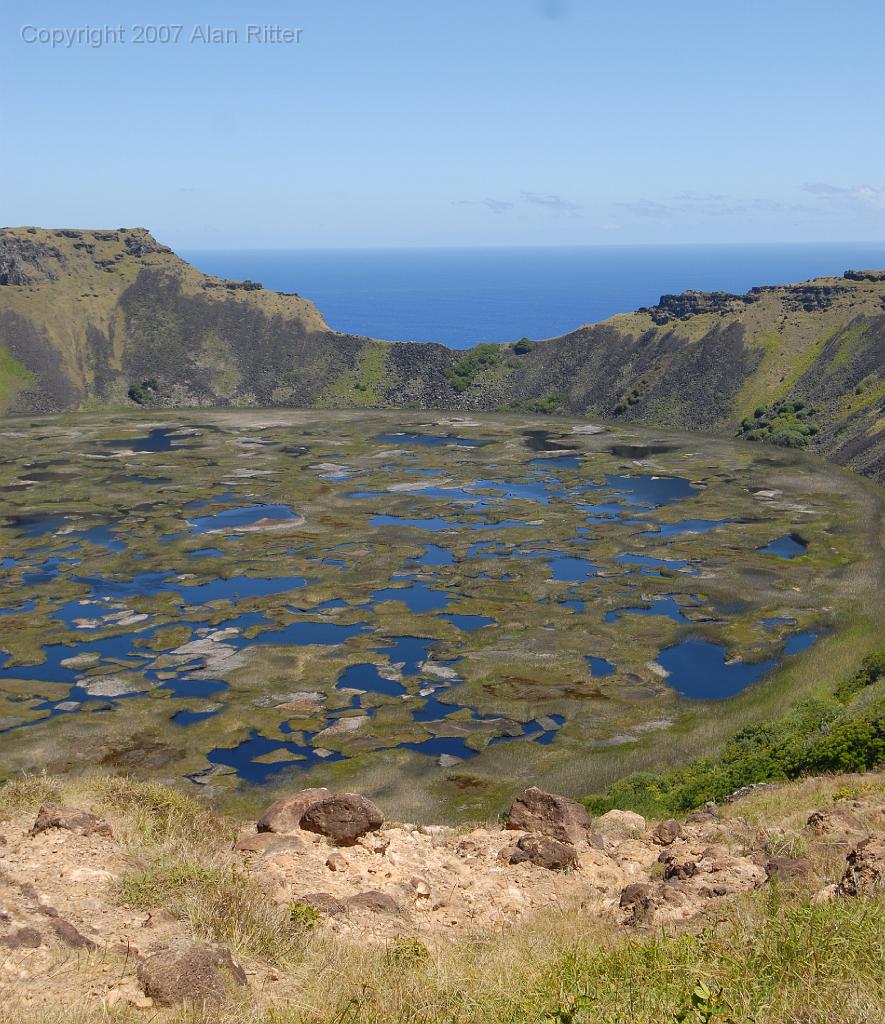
<point>198,974</point>
<point>71,819</point>
<point>285,815</point>
<point>22,938</point>
<point>544,851</point>
<point>548,814</point>
<point>70,935</point>
<point>324,903</point>
<point>864,869</point>
<point>343,818</point>
<point>667,832</point>
<point>679,869</point>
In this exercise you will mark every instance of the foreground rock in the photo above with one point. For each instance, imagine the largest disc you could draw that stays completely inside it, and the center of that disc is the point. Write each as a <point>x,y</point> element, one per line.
<point>343,818</point>
<point>548,814</point>
<point>197,974</point>
<point>285,815</point>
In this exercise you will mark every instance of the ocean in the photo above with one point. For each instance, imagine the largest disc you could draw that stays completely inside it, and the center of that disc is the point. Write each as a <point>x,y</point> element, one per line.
<point>461,296</point>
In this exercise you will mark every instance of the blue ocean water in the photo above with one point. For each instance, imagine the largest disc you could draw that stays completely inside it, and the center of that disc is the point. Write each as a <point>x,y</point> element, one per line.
<point>461,296</point>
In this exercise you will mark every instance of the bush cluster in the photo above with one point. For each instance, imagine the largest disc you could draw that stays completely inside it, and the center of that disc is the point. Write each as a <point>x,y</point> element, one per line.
<point>787,424</point>
<point>463,373</point>
<point>142,393</point>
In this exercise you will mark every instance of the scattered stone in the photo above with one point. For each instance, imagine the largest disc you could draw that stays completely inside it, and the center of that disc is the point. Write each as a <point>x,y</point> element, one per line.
<point>268,843</point>
<point>285,815</point>
<point>70,819</point>
<point>635,899</point>
<point>112,686</point>
<point>562,819</point>
<point>324,903</point>
<point>69,934</point>
<point>22,938</point>
<point>197,974</point>
<point>376,901</point>
<point>421,887</point>
<point>543,851</point>
<point>336,862</point>
<point>678,869</point>
<point>205,775</point>
<point>82,661</point>
<point>343,818</point>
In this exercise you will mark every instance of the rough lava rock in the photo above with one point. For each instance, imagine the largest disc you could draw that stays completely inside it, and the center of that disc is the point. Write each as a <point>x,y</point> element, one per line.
<point>865,869</point>
<point>343,818</point>
<point>665,833</point>
<point>198,974</point>
<point>544,851</point>
<point>547,814</point>
<point>284,815</point>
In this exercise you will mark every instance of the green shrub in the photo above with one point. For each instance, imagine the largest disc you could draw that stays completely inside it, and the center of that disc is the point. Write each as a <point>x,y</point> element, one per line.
<point>786,424</point>
<point>871,670</point>
<point>465,371</point>
<point>303,915</point>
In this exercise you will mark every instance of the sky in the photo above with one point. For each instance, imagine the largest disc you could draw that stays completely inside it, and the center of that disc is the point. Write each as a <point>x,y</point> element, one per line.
<point>464,122</point>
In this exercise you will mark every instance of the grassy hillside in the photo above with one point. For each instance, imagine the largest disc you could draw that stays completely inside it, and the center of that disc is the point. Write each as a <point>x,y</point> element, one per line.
<point>93,319</point>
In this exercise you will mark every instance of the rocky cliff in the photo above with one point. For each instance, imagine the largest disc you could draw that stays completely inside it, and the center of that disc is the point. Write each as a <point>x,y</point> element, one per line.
<point>92,319</point>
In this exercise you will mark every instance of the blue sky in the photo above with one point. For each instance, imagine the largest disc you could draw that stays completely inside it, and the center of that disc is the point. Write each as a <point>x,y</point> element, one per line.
<point>500,122</point>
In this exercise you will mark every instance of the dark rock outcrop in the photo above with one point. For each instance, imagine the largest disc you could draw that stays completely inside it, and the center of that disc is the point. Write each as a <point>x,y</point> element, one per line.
<point>25,261</point>
<point>535,810</point>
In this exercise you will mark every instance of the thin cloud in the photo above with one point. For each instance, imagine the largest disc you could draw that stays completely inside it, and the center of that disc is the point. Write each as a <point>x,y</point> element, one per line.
<point>551,201</point>
<point>495,205</point>
<point>694,204</point>
<point>860,195</point>
<point>698,197</point>
<point>647,208</point>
